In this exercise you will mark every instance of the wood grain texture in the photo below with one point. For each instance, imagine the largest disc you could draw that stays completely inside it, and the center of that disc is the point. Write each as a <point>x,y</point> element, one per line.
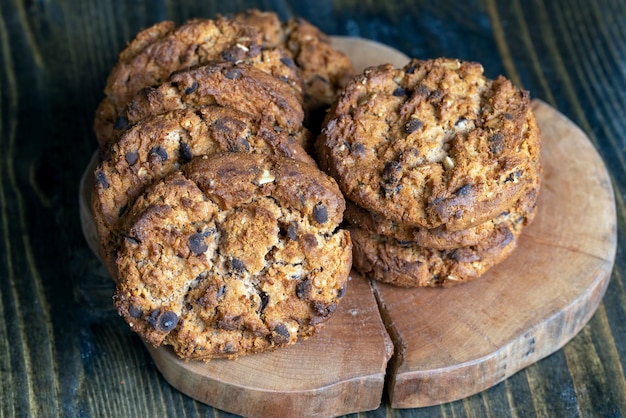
<point>60,341</point>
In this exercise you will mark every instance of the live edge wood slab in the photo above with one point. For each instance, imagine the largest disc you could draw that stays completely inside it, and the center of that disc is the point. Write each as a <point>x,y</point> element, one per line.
<point>446,343</point>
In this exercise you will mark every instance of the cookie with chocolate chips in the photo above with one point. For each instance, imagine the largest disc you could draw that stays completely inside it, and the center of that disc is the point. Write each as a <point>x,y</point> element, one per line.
<point>325,70</point>
<point>236,85</point>
<point>515,218</point>
<point>158,51</point>
<point>161,144</point>
<point>234,254</point>
<point>406,264</point>
<point>434,143</point>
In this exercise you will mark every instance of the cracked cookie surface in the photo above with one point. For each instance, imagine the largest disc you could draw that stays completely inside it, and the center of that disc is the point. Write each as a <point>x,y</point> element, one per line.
<point>433,143</point>
<point>238,86</point>
<point>234,254</point>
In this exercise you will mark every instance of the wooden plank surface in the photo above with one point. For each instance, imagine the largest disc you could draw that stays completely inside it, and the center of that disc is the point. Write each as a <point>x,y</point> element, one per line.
<point>65,352</point>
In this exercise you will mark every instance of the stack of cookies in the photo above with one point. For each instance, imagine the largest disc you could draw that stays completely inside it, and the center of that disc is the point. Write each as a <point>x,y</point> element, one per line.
<point>440,167</point>
<point>220,231</point>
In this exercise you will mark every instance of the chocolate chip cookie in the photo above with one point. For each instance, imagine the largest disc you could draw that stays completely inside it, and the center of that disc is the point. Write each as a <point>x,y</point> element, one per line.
<point>235,85</point>
<point>434,143</point>
<point>161,144</point>
<point>406,264</point>
<point>162,49</point>
<point>515,218</point>
<point>234,254</point>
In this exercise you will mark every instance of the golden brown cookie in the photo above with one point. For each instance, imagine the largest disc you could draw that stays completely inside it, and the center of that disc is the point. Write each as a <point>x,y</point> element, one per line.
<point>159,145</point>
<point>325,70</point>
<point>162,49</point>
<point>405,264</point>
<point>515,218</point>
<point>235,254</point>
<point>238,86</point>
<point>434,143</point>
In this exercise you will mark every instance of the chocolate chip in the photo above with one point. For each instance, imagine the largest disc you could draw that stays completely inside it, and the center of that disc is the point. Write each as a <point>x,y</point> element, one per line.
<point>233,74</point>
<point>496,143</point>
<point>167,321</point>
<point>303,289</point>
<point>320,213</point>
<point>220,291</point>
<point>265,298</point>
<point>184,151</point>
<point>101,179</point>
<point>323,310</point>
<point>399,92</point>
<point>288,62</point>
<point>135,311</point>
<point>413,125</point>
<point>292,232</point>
<point>391,172</point>
<point>463,190</point>
<point>160,152</point>
<point>121,123</point>
<point>132,157</point>
<point>410,69</point>
<point>357,149</point>
<point>341,292</point>
<point>281,334</point>
<point>233,54</point>
<point>508,237</point>
<point>241,145</point>
<point>132,240</point>
<point>508,116</point>
<point>237,265</point>
<point>435,95</point>
<point>192,89</point>
<point>229,348</point>
<point>197,245</point>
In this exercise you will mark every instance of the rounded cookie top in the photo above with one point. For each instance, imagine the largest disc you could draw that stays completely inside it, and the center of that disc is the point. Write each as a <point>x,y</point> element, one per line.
<point>236,253</point>
<point>411,265</point>
<point>238,86</point>
<point>325,70</point>
<point>162,49</point>
<point>515,217</point>
<point>433,143</point>
<point>161,144</point>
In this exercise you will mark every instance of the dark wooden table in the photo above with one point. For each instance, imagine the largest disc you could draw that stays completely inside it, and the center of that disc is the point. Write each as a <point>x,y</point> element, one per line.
<point>65,352</point>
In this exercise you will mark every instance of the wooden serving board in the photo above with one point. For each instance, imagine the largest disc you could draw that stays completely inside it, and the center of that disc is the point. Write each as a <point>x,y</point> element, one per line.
<point>447,343</point>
